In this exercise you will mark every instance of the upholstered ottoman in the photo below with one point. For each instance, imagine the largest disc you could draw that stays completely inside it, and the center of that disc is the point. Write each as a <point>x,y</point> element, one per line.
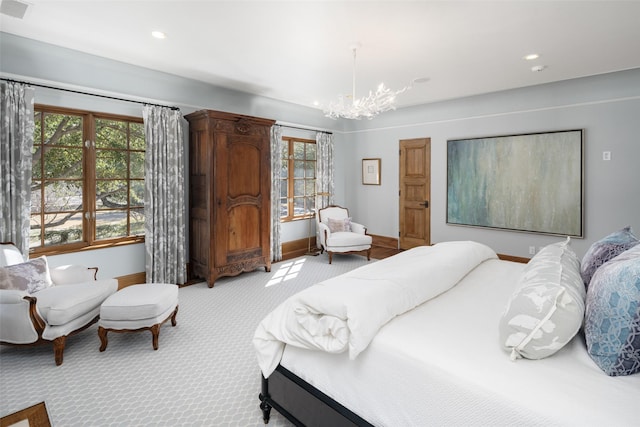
<point>137,308</point>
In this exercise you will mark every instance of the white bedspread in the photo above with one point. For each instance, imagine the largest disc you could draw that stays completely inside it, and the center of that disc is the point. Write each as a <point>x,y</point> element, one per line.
<point>345,312</point>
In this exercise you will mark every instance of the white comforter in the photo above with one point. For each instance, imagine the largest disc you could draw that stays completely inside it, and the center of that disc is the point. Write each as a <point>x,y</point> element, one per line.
<point>345,312</point>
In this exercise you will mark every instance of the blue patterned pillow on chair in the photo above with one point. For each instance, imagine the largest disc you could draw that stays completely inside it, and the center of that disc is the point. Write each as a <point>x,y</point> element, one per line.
<point>612,317</point>
<point>605,249</point>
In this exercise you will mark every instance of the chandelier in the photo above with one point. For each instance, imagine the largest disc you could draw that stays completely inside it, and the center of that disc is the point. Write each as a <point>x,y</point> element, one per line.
<point>350,107</point>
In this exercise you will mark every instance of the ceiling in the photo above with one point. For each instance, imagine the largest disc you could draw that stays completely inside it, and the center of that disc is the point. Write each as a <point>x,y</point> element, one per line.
<point>300,51</point>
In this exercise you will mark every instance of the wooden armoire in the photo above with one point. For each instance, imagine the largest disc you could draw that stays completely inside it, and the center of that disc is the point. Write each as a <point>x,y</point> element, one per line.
<point>229,194</point>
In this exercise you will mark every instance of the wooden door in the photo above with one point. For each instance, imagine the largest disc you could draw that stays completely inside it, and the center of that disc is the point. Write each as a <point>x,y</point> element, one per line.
<point>415,192</point>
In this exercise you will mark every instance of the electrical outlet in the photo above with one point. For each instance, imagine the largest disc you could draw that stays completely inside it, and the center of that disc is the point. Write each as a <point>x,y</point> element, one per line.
<point>532,250</point>
<point>606,155</point>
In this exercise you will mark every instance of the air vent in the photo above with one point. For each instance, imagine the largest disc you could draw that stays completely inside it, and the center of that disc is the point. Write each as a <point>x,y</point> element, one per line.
<point>14,8</point>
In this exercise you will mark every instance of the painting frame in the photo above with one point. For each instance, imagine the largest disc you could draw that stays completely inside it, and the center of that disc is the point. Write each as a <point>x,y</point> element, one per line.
<point>36,415</point>
<point>531,182</point>
<point>371,171</point>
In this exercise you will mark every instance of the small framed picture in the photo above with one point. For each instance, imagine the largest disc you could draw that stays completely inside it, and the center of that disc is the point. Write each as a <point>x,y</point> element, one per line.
<point>371,171</point>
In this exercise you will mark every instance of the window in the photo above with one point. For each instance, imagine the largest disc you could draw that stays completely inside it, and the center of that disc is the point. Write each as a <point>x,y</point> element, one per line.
<point>298,175</point>
<point>87,180</point>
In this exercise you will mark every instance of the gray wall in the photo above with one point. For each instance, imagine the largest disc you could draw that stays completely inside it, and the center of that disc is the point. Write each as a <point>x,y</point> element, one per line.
<point>607,107</point>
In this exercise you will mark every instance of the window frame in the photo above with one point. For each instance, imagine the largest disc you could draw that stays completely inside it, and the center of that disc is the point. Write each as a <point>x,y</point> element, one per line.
<point>89,182</point>
<point>290,179</point>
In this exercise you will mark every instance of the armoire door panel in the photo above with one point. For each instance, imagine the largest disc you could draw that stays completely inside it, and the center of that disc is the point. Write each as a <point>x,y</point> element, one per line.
<point>244,170</point>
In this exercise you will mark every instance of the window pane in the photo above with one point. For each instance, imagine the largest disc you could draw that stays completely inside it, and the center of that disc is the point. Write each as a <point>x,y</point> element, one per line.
<point>63,196</point>
<point>62,228</point>
<point>62,129</point>
<point>298,150</point>
<point>111,224</point>
<point>136,194</point>
<point>285,150</point>
<point>310,151</point>
<point>284,207</point>
<point>111,164</point>
<point>309,204</point>
<point>298,187</point>
<point>136,136</point>
<point>310,170</point>
<point>136,168</point>
<point>284,172</point>
<point>137,222</point>
<point>63,162</point>
<point>35,233</point>
<point>299,169</point>
<point>111,134</point>
<point>298,206</point>
<point>36,197</point>
<point>310,187</point>
<point>284,190</point>
<point>111,194</point>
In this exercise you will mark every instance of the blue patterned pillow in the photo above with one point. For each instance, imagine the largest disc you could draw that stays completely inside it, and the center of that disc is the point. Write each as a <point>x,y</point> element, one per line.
<point>612,318</point>
<point>605,249</point>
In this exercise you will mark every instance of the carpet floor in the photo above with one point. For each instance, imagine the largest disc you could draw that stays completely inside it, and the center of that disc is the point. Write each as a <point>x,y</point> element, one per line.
<point>204,373</point>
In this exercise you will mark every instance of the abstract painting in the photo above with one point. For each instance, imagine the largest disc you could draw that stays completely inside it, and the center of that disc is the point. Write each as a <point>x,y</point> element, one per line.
<point>530,182</point>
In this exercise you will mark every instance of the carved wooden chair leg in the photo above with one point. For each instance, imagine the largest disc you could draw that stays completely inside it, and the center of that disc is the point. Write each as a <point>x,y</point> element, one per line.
<point>369,254</point>
<point>58,349</point>
<point>174,322</point>
<point>330,256</point>
<point>102,333</point>
<point>155,331</point>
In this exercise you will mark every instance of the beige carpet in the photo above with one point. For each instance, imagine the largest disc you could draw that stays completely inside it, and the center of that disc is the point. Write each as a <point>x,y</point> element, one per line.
<point>203,374</point>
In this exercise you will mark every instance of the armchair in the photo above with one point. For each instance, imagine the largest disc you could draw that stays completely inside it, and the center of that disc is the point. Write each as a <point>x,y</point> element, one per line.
<point>38,305</point>
<point>338,234</point>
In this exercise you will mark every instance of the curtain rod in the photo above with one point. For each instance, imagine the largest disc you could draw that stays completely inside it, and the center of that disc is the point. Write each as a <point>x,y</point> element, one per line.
<point>303,128</point>
<point>87,93</point>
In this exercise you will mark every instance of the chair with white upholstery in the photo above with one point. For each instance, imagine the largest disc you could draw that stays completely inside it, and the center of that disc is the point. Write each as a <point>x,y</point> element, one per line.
<point>338,234</point>
<point>38,305</point>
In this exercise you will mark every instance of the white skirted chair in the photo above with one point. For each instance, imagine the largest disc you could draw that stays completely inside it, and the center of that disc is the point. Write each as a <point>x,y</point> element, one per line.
<point>38,305</point>
<point>338,234</point>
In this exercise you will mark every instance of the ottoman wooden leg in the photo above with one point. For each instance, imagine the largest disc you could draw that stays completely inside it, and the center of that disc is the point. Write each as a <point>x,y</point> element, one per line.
<point>155,331</point>
<point>173,317</point>
<point>102,333</point>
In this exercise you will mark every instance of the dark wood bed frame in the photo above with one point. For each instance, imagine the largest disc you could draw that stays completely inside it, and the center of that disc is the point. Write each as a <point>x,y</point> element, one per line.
<point>303,404</point>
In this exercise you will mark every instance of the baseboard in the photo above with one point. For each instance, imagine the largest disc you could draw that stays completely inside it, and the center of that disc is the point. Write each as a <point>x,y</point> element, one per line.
<point>384,241</point>
<point>513,258</point>
<point>131,279</point>
<point>296,248</point>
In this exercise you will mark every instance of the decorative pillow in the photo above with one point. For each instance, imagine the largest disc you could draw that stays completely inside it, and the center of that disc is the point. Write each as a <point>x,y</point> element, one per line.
<point>31,276</point>
<point>612,319</point>
<point>547,308</point>
<point>605,249</point>
<point>336,225</point>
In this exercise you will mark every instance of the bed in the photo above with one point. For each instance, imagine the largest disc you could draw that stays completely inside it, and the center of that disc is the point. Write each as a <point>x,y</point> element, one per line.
<point>333,356</point>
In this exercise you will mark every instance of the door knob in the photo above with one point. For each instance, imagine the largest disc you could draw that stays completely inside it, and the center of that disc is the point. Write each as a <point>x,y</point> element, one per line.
<point>425,204</point>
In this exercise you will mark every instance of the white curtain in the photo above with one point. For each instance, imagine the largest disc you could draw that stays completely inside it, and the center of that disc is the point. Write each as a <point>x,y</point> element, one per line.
<point>324,173</point>
<point>164,201</point>
<point>276,187</point>
<point>16,142</point>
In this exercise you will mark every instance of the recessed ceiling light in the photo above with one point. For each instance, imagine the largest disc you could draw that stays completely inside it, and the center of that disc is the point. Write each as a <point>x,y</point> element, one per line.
<point>421,80</point>
<point>159,34</point>
<point>531,56</point>
<point>538,68</point>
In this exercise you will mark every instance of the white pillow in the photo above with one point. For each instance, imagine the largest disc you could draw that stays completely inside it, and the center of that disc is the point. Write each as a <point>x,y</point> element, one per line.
<point>31,276</point>
<point>547,308</point>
